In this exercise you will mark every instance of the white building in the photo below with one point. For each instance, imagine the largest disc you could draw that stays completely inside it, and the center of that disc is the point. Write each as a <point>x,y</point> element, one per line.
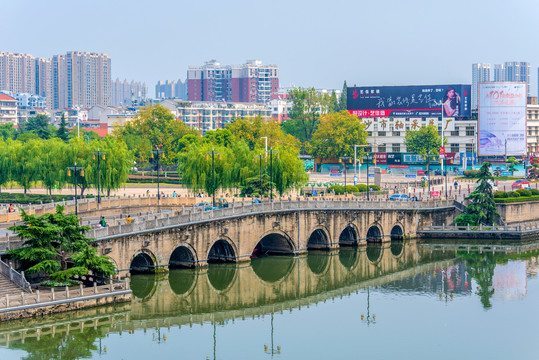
<point>8,109</point>
<point>480,73</point>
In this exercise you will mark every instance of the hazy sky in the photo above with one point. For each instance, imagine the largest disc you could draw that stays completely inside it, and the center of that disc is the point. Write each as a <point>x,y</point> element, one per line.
<point>315,43</point>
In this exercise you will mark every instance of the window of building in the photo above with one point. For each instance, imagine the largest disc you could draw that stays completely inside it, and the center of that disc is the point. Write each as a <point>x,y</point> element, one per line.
<point>469,148</point>
<point>470,131</point>
<point>396,148</point>
<point>381,133</point>
<point>455,148</point>
<point>382,148</point>
<point>455,132</point>
<point>396,133</point>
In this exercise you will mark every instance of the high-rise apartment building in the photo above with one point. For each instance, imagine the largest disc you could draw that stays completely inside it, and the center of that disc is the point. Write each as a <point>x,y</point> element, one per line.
<point>171,90</point>
<point>76,79</point>
<point>250,82</point>
<point>480,73</point>
<point>126,93</point>
<point>518,71</point>
<point>499,73</point>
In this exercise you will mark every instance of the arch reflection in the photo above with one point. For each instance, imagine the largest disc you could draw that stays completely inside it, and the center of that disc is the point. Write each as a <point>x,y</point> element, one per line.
<point>318,262</point>
<point>221,276</point>
<point>374,252</point>
<point>143,285</point>
<point>272,269</point>
<point>348,257</point>
<point>181,281</point>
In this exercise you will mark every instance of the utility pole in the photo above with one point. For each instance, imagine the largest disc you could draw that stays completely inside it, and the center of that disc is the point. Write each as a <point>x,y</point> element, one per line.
<point>260,173</point>
<point>98,154</point>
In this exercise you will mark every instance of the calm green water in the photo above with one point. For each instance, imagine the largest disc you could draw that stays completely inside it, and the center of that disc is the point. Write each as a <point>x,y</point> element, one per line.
<point>396,301</point>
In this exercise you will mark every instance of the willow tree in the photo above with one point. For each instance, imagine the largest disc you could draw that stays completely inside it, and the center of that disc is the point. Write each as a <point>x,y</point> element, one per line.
<point>26,162</point>
<point>79,152</point>
<point>5,161</point>
<point>287,170</point>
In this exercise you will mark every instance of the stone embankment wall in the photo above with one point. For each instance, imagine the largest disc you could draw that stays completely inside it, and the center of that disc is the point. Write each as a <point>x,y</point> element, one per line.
<point>515,213</point>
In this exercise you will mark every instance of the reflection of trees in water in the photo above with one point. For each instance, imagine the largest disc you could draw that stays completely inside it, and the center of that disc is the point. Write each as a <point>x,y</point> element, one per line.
<point>272,269</point>
<point>143,286</point>
<point>62,346</point>
<point>182,280</point>
<point>221,275</point>
<point>481,268</point>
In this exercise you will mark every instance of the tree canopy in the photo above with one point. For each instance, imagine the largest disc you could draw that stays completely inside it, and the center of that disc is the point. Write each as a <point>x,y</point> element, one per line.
<point>426,141</point>
<point>337,134</point>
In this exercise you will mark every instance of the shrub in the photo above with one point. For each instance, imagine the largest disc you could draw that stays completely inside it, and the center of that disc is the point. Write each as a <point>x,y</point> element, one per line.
<point>499,194</point>
<point>374,187</point>
<point>351,189</point>
<point>514,194</point>
<point>524,192</point>
<point>361,187</point>
<point>535,191</point>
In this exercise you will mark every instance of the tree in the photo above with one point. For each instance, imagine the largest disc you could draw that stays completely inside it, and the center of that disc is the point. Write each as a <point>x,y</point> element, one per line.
<point>482,208</point>
<point>512,162</point>
<point>62,132</point>
<point>253,129</point>
<point>55,244</point>
<point>333,104</point>
<point>344,96</point>
<point>7,131</point>
<point>26,161</point>
<point>337,134</point>
<point>39,125</point>
<point>5,161</point>
<point>154,126</point>
<point>53,163</point>
<point>307,107</point>
<point>426,142</point>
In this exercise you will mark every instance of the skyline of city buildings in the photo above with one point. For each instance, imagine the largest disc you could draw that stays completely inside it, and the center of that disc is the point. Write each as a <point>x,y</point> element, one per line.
<point>127,92</point>
<point>171,89</point>
<point>249,82</point>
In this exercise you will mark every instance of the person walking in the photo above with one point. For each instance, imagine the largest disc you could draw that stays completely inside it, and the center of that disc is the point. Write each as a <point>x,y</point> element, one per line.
<point>102,221</point>
<point>128,220</point>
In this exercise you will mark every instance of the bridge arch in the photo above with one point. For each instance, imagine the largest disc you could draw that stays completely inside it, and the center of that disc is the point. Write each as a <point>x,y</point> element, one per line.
<point>375,233</point>
<point>143,262</point>
<point>183,256</point>
<point>222,251</point>
<point>274,242</point>
<point>349,236</point>
<point>397,232</point>
<point>319,239</point>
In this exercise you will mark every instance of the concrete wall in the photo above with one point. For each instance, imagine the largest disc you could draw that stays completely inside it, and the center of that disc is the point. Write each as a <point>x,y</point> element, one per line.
<point>519,212</point>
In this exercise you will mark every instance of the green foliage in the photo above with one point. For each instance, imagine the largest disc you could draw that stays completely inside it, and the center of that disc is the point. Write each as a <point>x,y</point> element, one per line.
<point>344,95</point>
<point>470,174</point>
<point>482,208</point>
<point>7,131</point>
<point>535,191</point>
<point>425,142</point>
<point>307,107</point>
<point>154,126</point>
<point>39,125</point>
<point>336,136</point>
<point>524,192</point>
<point>55,244</point>
<point>517,199</point>
<point>514,194</point>
<point>499,194</point>
<point>62,132</point>
<point>481,266</point>
<point>512,162</point>
<point>253,129</point>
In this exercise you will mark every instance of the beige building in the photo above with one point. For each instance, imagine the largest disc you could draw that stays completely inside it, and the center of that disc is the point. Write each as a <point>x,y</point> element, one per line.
<point>532,125</point>
<point>8,110</point>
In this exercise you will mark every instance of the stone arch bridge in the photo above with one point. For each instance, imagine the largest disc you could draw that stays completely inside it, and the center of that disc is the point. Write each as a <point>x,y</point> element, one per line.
<point>194,237</point>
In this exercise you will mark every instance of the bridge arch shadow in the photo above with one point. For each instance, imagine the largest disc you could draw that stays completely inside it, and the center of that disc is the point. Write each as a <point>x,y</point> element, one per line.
<point>183,256</point>
<point>318,240</point>
<point>397,232</point>
<point>397,240</point>
<point>374,234</point>
<point>273,269</point>
<point>349,236</point>
<point>274,243</point>
<point>222,251</point>
<point>142,263</point>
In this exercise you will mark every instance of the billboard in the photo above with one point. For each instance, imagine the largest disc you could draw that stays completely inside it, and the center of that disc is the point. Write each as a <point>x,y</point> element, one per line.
<point>410,101</point>
<point>502,119</point>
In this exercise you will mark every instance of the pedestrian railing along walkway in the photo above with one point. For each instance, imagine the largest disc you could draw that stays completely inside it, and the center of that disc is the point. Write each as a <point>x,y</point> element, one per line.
<point>15,277</point>
<point>38,298</point>
<point>528,226</point>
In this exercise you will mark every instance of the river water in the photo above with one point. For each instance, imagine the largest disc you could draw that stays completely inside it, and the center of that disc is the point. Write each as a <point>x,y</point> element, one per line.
<point>410,301</point>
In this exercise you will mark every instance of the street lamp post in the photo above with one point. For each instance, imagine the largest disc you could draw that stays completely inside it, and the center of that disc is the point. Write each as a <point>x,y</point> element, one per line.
<point>260,173</point>
<point>355,160</point>
<point>75,169</point>
<point>271,152</point>
<point>99,154</point>
<point>157,154</point>
<point>345,159</point>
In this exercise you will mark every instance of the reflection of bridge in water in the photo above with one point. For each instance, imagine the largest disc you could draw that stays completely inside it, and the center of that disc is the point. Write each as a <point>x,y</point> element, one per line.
<point>228,291</point>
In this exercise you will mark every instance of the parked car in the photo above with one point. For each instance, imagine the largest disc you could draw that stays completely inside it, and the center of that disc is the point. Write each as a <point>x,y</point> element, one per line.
<point>399,197</point>
<point>202,204</point>
<point>521,184</point>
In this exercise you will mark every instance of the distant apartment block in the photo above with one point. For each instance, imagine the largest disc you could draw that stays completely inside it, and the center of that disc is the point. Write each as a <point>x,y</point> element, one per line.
<point>251,82</point>
<point>480,73</point>
<point>205,116</point>
<point>171,90</point>
<point>76,79</point>
<point>8,109</point>
<point>127,93</point>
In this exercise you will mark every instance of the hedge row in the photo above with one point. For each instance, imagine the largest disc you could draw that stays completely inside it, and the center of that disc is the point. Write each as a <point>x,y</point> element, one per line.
<point>515,194</point>
<point>350,189</point>
<point>18,198</point>
<point>517,199</point>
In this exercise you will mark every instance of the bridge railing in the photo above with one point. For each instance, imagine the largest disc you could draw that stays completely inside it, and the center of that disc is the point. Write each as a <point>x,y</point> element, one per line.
<point>16,277</point>
<point>454,228</point>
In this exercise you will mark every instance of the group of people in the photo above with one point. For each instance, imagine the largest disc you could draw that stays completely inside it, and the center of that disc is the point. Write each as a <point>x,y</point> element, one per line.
<point>103,222</point>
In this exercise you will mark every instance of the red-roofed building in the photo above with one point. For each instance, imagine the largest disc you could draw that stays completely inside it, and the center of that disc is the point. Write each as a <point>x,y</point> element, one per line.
<point>8,109</point>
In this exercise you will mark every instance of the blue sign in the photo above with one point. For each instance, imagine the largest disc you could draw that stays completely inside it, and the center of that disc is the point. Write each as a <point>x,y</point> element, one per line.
<point>371,175</point>
<point>410,176</point>
<point>335,174</point>
<point>506,173</point>
<point>409,101</point>
<point>314,193</point>
<point>355,180</point>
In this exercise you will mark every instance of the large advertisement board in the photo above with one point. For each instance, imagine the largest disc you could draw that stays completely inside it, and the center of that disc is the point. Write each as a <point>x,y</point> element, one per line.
<point>410,101</point>
<point>502,119</point>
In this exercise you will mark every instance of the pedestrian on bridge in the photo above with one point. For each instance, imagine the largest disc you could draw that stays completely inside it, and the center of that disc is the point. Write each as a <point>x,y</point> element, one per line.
<point>456,185</point>
<point>128,220</point>
<point>102,221</point>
